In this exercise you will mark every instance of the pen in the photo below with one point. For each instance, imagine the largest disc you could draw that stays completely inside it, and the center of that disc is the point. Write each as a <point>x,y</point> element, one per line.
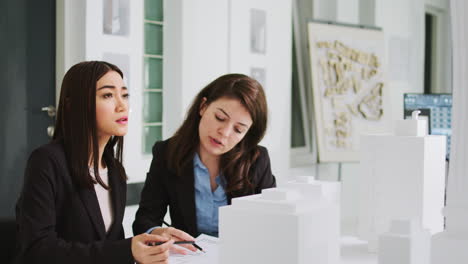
<point>198,247</point>
<point>190,242</point>
<point>176,243</point>
<point>179,243</point>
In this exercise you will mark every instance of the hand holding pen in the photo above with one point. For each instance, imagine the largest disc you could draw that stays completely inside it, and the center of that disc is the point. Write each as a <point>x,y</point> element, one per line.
<point>194,244</point>
<point>180,243</point>
<point>180,237</point>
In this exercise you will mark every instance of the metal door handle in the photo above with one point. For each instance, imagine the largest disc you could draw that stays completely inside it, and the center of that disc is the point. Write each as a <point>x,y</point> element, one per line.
<point>50,110</point>
<point>50,131</point>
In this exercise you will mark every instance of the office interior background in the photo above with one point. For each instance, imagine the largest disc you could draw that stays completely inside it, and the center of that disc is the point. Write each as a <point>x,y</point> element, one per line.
<point>170,49</point>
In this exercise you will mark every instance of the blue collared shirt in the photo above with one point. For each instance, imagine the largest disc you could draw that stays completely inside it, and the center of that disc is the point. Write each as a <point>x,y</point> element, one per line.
<point>206,201</point>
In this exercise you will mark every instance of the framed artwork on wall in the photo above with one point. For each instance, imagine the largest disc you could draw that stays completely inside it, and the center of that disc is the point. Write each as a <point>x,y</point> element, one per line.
<point>116,17</point>
<point>348,86</point>
<point>258,31</point>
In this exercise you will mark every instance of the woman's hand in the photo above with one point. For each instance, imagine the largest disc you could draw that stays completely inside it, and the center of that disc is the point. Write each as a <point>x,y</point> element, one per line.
<point>176,235</point>
<point>143,253</point>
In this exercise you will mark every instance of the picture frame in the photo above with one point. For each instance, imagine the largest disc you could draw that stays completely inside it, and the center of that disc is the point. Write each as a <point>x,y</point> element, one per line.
<point>348,86</point>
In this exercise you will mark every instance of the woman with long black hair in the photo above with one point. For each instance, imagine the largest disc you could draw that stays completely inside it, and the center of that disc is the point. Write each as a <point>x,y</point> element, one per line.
<point>73,199</point>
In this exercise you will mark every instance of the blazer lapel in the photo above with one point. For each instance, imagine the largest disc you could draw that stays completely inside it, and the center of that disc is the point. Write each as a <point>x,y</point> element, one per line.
<point>186,195</point>
<point>118,197</point>
<point>90,202</point>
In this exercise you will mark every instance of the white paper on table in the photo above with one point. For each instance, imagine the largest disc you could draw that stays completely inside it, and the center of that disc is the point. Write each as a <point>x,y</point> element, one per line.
<point>209,244</point>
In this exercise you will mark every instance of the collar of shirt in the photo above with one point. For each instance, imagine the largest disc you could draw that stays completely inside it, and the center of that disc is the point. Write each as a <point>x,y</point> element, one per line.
<point>197,163</point>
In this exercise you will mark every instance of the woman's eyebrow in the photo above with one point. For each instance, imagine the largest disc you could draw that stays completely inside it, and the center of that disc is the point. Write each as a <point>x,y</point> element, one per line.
<point>111,87</point>
<point>220,109</point>
<point>240,123</point>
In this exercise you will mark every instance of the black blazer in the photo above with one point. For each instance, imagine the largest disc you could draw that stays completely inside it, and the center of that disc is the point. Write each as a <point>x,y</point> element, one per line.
<point>60,223</point>
<point>164,188</point>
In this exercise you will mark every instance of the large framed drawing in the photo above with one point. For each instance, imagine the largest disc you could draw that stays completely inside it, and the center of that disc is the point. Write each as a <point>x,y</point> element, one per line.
<point>350,95</point>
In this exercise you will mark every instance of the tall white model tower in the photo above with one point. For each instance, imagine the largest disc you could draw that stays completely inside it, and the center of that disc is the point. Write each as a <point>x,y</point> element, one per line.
<point>403,177</point>
<point>451,245</point>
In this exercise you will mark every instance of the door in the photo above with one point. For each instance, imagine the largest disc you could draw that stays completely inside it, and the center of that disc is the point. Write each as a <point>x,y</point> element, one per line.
<point>27,79</point>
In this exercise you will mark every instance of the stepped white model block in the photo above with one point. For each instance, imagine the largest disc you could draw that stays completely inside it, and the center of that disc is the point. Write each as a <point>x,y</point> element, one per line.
<point>402,177</point>
<point>331,191</point>
<point>296,224</point>
<point>411,127</point>
<point>405,243</point>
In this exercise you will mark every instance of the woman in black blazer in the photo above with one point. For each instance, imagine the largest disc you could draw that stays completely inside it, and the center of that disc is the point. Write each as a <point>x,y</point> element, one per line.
<point>73,199</point>
<point>213,157</point>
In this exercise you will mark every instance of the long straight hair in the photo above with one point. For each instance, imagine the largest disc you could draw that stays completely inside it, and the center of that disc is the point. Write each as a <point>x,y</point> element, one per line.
<point>76,124</point>
<point>236,163</point>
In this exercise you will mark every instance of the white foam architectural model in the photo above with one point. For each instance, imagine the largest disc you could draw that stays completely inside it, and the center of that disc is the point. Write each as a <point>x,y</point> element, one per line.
<point>405,243</point>
<point>296,223</point>
<point>402,177</point>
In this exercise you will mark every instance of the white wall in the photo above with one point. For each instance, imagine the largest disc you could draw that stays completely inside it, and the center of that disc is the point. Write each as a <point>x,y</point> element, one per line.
<point>196,51</point>
<point>211,38</point>
<point>348,11</point>
<point>325,9</point>
<point>205,45</point>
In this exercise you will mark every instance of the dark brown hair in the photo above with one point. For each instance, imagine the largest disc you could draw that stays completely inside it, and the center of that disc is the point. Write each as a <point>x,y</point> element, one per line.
<point>236,163</point>
<point>76,124</point>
